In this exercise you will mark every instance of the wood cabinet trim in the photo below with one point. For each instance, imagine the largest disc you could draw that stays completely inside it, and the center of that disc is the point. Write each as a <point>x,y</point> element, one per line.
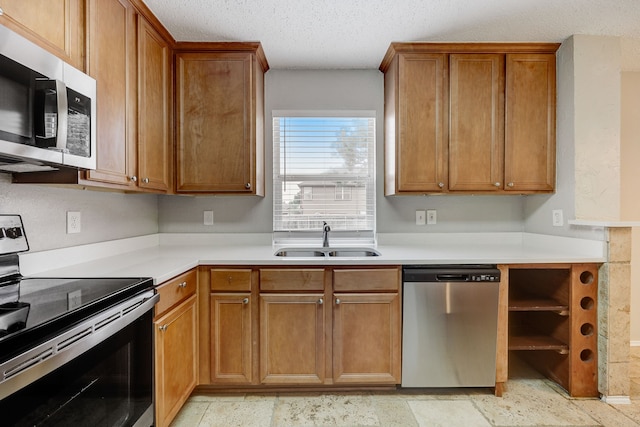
<point>481,47</point>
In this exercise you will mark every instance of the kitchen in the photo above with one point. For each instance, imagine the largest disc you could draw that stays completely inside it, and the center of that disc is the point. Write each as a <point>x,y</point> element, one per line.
<point>44,208</point>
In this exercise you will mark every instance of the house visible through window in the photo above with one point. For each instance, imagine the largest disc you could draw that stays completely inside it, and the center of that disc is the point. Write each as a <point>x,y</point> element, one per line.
<point>324,171</point>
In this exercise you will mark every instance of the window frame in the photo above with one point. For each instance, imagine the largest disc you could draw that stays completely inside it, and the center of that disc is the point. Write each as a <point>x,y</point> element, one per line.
<point>364,236</point>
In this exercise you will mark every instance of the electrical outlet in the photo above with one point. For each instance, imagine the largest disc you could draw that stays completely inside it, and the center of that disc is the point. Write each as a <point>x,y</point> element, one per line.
<point>74,224</point>
<point>558,220</point>
<point>420,217</point>
<point>431,217</point>
<point>208,217</point>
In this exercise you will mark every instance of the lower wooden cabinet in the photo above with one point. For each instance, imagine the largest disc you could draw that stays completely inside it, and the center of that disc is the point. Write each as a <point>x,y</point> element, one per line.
<point>176,346</point>
<point>366,338</point>
<point>231,338</point>
<point>292,341</point>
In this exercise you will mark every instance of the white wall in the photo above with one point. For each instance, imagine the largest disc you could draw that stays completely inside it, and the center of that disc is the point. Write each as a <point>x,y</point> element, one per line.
<point>331,90</point>
<point>104,216</point>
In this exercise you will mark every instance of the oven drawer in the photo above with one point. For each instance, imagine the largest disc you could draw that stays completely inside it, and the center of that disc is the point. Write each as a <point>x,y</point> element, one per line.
<point>175,291</point>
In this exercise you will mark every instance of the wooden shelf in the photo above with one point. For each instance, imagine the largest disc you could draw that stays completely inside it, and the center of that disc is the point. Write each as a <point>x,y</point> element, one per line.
<point>537,342</point>
<point>538,304</point>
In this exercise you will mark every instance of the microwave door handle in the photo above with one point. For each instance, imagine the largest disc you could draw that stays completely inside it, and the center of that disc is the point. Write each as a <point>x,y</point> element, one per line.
<point>63,111</point>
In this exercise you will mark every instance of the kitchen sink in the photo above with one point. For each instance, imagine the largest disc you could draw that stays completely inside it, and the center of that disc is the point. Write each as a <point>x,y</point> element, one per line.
<point>355,252</point>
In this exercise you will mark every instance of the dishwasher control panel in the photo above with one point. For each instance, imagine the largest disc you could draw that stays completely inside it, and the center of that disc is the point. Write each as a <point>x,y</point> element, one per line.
<point>475,273</point>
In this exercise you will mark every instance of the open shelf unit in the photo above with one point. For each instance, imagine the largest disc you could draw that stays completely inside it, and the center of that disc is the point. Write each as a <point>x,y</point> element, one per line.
<point>552,322</point>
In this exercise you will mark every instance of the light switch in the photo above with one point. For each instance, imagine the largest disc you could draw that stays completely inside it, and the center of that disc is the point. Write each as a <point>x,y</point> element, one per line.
<point>431,217</point>
<point>420,217</point>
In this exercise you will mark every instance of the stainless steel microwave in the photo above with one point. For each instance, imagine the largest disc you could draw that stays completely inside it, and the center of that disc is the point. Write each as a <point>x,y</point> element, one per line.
<point>47,109</point>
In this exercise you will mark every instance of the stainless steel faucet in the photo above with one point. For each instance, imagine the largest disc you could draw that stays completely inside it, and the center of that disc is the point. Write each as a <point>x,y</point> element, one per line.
<point>325,235</point>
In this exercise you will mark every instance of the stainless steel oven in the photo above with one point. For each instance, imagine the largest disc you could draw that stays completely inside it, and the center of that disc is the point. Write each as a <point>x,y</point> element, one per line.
<point>73,351</point>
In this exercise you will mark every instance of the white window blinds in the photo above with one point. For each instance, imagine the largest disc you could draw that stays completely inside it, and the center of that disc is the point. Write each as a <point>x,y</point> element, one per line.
<point>324,171</point>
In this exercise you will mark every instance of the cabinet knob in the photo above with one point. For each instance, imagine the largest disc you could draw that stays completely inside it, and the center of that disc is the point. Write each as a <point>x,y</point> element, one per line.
<point>145,180</point>
<point>163,327</point>
<point>497,184</point>
<point>247,186</point>
<point>182,285</point>
<point>134,178</point>
<point>441,184</point>
<point>320,301</point>
<point>229,279</point>
<point>245,301</point>
<point>510,184</point>
<point>338,301</point>
<point>1,12</point>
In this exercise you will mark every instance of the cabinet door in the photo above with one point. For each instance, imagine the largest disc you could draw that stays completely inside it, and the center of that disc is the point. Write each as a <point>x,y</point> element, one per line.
<point>56,25</point>
<point>530,128</point>
<point>154,113</point>
<point>175,359</point>
<point>421,147</point>
<point>476,141</point>
<point>214,122</point>
<point>231,339</point>
<point>292,343</point>
<point>112,63</point>
<point>366,338</point>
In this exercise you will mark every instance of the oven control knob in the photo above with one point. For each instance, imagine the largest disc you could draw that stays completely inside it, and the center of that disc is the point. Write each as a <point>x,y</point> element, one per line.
<point>13,232</point>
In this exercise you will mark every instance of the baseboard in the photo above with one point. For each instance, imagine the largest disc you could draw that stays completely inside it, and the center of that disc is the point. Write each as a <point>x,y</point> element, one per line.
<point>616,400</point>
<point>635,343</point>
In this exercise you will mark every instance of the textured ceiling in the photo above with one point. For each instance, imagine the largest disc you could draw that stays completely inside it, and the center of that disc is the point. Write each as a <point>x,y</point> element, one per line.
<point>316,34</point>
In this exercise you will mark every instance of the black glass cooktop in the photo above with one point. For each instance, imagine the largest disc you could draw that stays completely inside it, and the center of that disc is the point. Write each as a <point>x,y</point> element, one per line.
<point>34,309</point>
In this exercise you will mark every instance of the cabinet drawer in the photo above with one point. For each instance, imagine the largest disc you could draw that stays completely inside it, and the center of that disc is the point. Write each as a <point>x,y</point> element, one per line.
<point>371,279</point>
<point>176,290</point>
<point>301,279</point>
<point>237,279</point>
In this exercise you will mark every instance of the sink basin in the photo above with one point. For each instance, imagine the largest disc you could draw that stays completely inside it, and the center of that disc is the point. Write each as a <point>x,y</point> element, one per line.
<point>327,252</point>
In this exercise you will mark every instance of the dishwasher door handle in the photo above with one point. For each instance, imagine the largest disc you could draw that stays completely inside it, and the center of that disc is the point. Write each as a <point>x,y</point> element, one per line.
<point>447,298</point>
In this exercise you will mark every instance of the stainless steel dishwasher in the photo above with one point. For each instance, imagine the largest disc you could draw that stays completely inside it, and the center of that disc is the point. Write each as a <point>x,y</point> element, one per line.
<point>450,323</point>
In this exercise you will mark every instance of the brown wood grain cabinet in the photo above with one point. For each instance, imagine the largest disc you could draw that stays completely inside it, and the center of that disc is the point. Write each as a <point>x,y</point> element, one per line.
<point>469,118</point>
<point>292,341</point>
<point>176,345</point>
<point>155,139</point>
<point>220,118</point>
<point>232,319</point>
<point>367,326</point>
<point>552,323</point>
<point>55,25</point>
<point>530,129</point>
<point>112,62</point>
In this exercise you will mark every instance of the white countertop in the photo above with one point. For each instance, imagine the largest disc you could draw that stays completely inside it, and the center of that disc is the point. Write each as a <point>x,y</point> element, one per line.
<point>166,255</point>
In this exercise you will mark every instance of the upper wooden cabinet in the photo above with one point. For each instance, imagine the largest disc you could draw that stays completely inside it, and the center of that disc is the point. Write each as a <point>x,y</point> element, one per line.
<point>220,118</point>
<point>530,143</point>
<point>469,118</point>
<point>112,62</point>
<point>56,25</point>
<point>154,140</point>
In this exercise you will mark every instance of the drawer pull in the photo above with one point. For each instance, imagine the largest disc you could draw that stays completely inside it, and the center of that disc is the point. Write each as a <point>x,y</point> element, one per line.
<point>182,285</point>
<point>163,327</point>
<point>320,301</point>
<point>245,301</point>
<point>338,301</point>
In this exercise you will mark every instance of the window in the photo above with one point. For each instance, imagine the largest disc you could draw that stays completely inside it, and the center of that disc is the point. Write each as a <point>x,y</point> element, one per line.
<point>324,170</point>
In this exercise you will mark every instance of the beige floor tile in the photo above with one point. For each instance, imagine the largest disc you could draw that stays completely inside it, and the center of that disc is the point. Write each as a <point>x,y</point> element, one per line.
<point>238,414</point>
<point>190,414</point>
<point>427,394</point>
<point>449,413</point>
<point>395,413</point>
<point>632,411</point>
<point>531,403</point>
<point>325,410</point>
<point>605,414</point>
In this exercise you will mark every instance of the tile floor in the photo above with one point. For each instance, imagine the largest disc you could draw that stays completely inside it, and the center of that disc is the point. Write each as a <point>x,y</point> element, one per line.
<point>530,400</point>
